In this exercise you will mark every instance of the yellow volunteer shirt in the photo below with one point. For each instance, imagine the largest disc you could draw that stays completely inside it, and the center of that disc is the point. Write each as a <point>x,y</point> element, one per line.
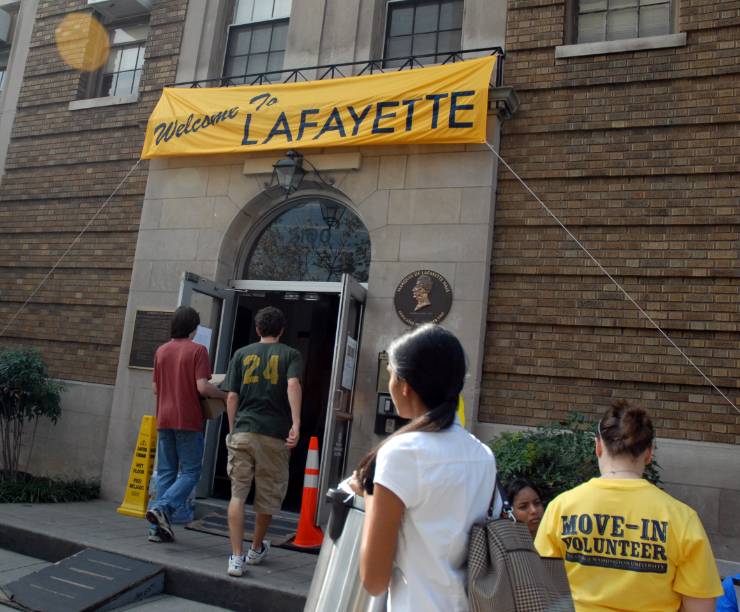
<point>628,545</point>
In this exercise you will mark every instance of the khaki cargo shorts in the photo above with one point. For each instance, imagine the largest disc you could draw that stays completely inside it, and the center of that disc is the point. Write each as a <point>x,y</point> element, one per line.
<point>264,458</point>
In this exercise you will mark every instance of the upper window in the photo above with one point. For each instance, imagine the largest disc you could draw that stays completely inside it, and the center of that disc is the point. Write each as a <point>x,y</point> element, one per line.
<point>602,20</point>
<point>257,38</point>
<point>122,72</point>
<point>4,57</point>
<point>421,27</point>
<point>317,240</point>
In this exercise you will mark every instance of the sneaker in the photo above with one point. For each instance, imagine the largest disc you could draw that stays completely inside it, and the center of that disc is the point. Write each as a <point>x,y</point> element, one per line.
<point>154,535</point>
<point>255,557</point>
<point>236,565</point>
<point>158,518</point>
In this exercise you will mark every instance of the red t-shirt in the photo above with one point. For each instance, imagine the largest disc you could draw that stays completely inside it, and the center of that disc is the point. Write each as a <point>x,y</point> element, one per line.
<point>177,365</point>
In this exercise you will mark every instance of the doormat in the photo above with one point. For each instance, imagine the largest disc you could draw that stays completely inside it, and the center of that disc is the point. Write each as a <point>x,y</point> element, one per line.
<point>280,533</point>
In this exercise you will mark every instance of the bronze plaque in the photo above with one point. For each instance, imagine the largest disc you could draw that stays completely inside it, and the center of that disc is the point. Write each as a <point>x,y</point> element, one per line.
<point>151,329</point>
<point>423,296</point>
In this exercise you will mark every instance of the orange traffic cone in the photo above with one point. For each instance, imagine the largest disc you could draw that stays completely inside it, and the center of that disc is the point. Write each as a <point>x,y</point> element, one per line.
<point>308,534</point>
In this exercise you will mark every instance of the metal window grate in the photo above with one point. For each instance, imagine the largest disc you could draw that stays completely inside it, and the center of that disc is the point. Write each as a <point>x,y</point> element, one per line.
<point>346,69</point>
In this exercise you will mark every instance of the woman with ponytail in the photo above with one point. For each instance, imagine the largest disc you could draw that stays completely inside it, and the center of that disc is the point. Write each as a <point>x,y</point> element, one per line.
<point>628,545</point>
<point>425,485</point>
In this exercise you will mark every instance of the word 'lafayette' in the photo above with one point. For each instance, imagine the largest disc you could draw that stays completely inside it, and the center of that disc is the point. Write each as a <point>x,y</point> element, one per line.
<point>349,119</point>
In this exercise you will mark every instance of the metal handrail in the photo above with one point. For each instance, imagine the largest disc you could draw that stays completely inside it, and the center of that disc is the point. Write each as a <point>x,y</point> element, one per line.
<point>332,71</point>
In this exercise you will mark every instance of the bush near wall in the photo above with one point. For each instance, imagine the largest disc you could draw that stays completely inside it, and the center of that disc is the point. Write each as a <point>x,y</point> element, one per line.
<point>555,457</point>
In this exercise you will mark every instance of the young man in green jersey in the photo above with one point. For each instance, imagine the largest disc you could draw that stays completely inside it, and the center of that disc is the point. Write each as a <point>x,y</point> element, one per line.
<point>264,410</point>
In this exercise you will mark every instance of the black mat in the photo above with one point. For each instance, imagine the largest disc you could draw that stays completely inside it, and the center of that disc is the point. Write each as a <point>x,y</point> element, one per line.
<point>280,532</point>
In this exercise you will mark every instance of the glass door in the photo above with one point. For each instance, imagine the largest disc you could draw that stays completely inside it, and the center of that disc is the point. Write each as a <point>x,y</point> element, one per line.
<point>216,306</point>
<point>341,390</point>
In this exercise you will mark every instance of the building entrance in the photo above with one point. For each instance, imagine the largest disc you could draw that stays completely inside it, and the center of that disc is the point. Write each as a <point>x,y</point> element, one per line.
<point>324,322</point>
<point>311,329</point>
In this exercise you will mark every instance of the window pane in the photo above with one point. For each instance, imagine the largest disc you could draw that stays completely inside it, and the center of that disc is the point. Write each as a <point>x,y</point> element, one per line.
<point>586,6</point>
<point>279,37</point>
<point>239,43</point>
<point>257,63</point>
<point>450,16</point>
<point>426,18</point>
<point>425,43</point>
<point>282,8</point>
<point>114,61</point>
<point>275,62</point>
<point>128,58</point>
<point>618,4</point>
<point>399,47</point>
<point>106,88</point>
<point>236,66</point>
<point>401,20</point>
<point>645,2</point>
<point>621,24</point>
<point>592,27</point>
<point>129,33</point>
<point>124,84</point>
<point>261,39</point>
<point>244,10</point>
<point>449,41</point>
<point>263,10</point>
<point>655,20</point>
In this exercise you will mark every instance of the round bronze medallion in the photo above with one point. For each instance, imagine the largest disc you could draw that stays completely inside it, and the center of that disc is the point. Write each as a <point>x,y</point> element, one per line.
<point>424,296</point>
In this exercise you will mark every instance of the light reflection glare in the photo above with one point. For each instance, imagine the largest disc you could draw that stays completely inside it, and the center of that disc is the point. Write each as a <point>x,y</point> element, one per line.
<point>82,42</point>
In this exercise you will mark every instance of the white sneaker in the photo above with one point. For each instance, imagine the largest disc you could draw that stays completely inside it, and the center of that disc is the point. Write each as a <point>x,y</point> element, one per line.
<point>255,557</point>
<point>236,565</point>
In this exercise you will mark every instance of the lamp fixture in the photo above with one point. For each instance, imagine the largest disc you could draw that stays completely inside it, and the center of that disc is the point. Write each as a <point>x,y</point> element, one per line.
<point>331,212</point>
<point>288,173</point>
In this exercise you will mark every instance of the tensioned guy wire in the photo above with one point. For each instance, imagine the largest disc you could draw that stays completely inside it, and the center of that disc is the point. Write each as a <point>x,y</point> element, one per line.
<point>66,252</point>
<point>610,277</point>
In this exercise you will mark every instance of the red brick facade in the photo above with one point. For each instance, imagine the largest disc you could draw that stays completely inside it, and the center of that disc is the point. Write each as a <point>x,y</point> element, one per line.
<point>638,153</point>
<point>62,164</point>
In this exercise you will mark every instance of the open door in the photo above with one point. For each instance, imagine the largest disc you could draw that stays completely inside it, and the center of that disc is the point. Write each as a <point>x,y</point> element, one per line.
<point>341,390</point>
<point>216,306</point>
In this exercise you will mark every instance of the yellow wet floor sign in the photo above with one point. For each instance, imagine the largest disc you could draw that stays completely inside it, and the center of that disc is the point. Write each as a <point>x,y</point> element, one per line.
<point>137,489</point>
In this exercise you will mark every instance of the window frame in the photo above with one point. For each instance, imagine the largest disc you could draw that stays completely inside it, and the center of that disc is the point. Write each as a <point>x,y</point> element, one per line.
<point>244,26</point>
<point>393,3</point>
<point>573,13</point>
<point>94,89</point>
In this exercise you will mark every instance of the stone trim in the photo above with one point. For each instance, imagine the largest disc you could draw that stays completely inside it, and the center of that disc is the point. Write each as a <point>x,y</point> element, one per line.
<point>102,102</point>
<point>621,46</point>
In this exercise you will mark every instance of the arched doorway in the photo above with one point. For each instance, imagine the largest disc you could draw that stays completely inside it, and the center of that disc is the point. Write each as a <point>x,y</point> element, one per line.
<point>307,257</point>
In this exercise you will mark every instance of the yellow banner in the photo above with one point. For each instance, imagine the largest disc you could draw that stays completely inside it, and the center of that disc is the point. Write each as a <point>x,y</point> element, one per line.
<point>437,104</point>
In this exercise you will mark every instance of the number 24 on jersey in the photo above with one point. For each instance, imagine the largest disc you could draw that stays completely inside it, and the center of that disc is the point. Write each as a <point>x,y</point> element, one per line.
<point>251,369</point>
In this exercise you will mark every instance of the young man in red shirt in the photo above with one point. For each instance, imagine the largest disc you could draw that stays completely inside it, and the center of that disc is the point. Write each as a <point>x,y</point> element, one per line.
<point>181,374</point>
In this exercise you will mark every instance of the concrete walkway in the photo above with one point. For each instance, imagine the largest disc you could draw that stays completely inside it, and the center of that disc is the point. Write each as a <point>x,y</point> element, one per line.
<point>195,563</point>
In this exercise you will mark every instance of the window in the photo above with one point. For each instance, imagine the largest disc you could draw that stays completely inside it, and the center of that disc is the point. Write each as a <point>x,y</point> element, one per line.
<point>257,38</point>
<point>122,71</point>
<point>316,240</point>
<point>603,20</point>
<point>421,27</point>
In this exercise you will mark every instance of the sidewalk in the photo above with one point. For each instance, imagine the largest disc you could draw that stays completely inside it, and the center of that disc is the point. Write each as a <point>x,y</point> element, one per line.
<point>195,563</point>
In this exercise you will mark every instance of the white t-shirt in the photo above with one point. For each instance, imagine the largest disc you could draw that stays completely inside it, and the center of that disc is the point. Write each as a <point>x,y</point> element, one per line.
<point>445,479</point>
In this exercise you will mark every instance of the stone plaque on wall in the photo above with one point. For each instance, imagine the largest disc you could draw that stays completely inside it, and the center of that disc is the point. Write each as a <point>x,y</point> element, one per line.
<point>151,329</point>
<point>424,296</point>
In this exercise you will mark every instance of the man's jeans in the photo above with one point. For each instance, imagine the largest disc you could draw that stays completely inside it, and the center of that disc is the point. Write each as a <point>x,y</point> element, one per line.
<point>177,450</point>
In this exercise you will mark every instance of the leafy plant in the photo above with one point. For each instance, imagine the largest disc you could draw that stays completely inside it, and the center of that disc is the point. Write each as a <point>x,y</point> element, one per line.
<point>554,457</point>
<point>25,489</point>
<point>26,394</point>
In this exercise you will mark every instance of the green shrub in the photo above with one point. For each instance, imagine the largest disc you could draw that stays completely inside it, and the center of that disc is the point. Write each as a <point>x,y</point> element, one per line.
<point>25,489</point>
<point>26,394</point>
<point>555,457</point>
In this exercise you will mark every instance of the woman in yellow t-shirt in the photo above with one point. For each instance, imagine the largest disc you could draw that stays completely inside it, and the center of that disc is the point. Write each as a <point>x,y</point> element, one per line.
<point>628,545</point>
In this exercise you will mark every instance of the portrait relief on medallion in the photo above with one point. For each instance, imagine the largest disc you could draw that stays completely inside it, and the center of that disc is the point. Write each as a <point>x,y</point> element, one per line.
<point>424,296</point>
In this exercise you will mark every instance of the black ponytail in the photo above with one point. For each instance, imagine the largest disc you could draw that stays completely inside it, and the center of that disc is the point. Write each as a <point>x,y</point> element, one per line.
<point>432,361</point>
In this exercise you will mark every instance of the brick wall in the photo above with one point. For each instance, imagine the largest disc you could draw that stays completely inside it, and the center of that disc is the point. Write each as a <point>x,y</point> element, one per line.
<point>638,154</point>
<point>61,166</point>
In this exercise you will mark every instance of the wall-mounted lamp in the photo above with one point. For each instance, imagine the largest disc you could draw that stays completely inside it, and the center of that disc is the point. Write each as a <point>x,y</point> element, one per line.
<point>288,174</point>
